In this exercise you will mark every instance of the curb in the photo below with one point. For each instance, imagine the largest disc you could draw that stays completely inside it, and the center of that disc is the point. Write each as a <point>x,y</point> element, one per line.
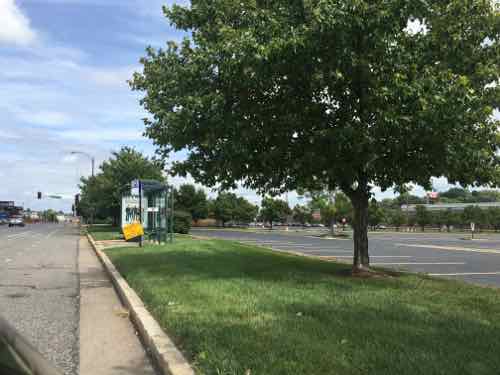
<point>168,358</point>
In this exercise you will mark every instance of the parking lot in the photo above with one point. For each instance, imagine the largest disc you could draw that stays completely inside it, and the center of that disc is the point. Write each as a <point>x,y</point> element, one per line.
<point>450,255</point>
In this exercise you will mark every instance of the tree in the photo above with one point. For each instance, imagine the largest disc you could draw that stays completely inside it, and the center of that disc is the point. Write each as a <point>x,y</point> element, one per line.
<point>280,95</point>
<point>473,214</point>
<point>245,212</point>
<point>438,218</point>
<point>224,206</point>
<point>397,218</point>
<point>451,218</point>
<point>229,207</point>
<point>456,195</point>
<point>422,216</point>
<point>344,208</point>
<point>101,195</point>
<point>301,214</point>
<point>188,199</point>
<point>274,210</point>
<point>494,217</point>
<point>375,213</point>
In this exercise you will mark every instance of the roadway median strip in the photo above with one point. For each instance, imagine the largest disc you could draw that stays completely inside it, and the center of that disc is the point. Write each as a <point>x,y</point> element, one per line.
<point>451,248</point>
<point>242,309</point>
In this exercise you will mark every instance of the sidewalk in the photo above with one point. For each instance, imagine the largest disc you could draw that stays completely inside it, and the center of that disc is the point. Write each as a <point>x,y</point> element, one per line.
<point>108,342</point>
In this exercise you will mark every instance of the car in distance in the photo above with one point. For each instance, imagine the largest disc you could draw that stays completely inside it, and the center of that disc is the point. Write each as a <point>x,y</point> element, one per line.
<point>16,222</point>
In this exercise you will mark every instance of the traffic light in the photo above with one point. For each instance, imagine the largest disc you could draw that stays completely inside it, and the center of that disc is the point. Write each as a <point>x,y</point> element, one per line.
<point>39,195</point>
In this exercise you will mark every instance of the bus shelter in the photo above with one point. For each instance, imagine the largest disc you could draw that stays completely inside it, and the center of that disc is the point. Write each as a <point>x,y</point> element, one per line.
<point>151,204</point>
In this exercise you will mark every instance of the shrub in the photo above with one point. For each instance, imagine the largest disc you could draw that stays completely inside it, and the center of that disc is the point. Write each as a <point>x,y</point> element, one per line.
<point>182,222</point>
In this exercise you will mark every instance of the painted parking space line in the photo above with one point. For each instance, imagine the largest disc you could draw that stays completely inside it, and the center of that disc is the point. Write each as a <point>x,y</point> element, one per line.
<point>451,248</point>
<point>330,238</point>
<point>466,274</point>
<point>418,263</point>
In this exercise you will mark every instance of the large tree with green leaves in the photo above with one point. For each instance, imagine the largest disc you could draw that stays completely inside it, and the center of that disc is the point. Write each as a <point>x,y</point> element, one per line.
<point>274,210</point>
<point>347,94</point>
<point>192,200</point>
<point>101,195</point>
<point>229,207</point>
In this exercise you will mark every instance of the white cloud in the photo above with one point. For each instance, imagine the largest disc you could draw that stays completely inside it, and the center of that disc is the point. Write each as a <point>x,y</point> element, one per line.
<point>15,27</point>
<point>43,118</point>
<point>103,135</point>
<point>112,77</point>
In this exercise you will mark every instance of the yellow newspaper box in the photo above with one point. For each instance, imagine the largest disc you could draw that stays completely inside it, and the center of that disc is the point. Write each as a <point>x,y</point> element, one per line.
<point>131,231</point>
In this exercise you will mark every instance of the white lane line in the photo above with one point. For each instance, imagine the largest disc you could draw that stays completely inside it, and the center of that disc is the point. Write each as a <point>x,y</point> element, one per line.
<point>418,263</point>
<point>466,274</point>
<point>452,248</point>
<point>18,235</point>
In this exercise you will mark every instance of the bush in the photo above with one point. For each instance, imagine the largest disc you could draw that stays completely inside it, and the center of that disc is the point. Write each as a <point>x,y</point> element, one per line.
<point>182,222</point>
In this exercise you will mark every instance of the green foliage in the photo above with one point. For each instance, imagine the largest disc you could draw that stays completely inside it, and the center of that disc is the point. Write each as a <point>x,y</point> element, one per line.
<point>397,218</point>
<point>407,198</point>
<point>343,207</point>
<point>376,213</point>
<point>273,210</point>
<point>329,214</point>
<point>49,215</point>
<point>301,214</point>
<point>460,195</point>
<point>182,222</point>
<point>101,195</point>
<point>188,199</point>
<point>494,217</point>
<point>423,216</point>
<point>311,94</point>
<point>229,207</point>
<point>273,93</point>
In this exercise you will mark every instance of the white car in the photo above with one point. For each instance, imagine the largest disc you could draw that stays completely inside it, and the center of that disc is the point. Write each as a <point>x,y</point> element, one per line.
<point>16,222</point>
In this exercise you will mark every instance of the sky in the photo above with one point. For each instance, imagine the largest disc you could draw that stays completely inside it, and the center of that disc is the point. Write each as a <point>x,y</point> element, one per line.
<point>63,71</point>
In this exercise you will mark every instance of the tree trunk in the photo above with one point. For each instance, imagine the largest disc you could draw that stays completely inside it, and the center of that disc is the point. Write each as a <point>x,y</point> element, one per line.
<point>361,257</point>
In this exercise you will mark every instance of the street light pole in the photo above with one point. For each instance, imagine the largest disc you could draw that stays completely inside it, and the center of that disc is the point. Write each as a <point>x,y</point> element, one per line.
<point>92,159</point>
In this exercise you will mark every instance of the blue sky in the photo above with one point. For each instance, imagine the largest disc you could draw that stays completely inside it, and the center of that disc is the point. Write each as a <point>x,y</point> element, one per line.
<point>63,71</point>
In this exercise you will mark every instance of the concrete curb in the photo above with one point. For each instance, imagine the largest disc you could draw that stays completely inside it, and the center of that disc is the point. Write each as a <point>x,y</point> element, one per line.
<point>168,358</point>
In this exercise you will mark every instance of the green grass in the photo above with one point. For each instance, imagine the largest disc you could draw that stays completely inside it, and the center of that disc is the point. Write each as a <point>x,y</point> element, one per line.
<point>105,232</point>
<point>232,307</point>
<point>8,364</point>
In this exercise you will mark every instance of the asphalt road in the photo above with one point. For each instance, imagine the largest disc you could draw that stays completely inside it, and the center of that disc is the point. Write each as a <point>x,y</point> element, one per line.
<point>39,289</point>
<point>438,254</point>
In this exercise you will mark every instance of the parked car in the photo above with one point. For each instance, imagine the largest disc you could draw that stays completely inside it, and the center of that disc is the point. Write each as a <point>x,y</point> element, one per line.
<point>16,222</point>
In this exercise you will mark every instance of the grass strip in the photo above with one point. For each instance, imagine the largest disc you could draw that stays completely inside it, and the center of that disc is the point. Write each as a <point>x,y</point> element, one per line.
<point>241,309</point>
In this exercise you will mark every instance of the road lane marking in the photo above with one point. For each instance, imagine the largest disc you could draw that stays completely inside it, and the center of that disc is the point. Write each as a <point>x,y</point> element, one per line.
<point>466,274</point>
<point>418,263</point>
<point>17,235</point>
<point>452,248</point>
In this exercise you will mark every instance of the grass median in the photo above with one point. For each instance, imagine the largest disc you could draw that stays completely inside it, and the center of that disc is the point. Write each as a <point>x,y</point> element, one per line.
<point>241,309</point>
<point>105,232</point>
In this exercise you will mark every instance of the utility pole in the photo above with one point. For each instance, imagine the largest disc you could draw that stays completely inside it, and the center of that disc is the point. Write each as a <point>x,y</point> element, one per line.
<point>92,159</point>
